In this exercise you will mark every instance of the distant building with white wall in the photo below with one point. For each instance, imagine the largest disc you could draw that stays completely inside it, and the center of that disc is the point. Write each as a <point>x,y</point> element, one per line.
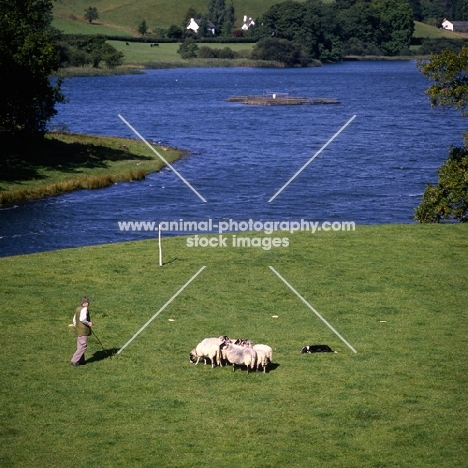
<point>194,26</point>
<point>247,23</point>
<point>455,26</point>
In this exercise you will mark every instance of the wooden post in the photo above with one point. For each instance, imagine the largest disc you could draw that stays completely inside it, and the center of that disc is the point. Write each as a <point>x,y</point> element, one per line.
<point>160,246</point>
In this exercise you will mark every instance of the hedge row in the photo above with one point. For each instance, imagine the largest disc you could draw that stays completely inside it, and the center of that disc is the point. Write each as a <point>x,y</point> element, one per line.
<point>152,39</point>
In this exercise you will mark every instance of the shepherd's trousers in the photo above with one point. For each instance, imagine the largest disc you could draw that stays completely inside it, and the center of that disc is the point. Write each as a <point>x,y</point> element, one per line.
<point>81,345</point>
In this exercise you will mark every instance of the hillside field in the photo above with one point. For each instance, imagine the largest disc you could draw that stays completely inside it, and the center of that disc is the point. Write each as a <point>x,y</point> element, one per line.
<point>124,17</point>
<point>119,18</point>
<point>397,293</point>
<point>430,32</point>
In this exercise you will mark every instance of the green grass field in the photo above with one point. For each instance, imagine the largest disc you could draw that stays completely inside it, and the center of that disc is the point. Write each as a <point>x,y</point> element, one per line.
<point>397,293</point>
<point>126,16</point>
<point>138,52</point>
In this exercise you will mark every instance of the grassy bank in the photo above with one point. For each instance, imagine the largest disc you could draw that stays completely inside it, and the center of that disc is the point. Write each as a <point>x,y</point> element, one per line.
<point>398,294</point>
<point>64,162</point>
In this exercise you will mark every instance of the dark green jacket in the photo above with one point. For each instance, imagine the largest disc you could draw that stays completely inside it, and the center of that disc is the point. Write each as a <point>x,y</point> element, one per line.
<point>80,327</point>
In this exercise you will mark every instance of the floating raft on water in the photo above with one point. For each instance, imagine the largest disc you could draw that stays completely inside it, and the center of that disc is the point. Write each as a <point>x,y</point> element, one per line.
<point>280,100</point>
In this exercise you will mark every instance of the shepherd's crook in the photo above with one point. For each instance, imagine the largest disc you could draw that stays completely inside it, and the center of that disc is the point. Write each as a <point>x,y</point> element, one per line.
<point>99,341</point>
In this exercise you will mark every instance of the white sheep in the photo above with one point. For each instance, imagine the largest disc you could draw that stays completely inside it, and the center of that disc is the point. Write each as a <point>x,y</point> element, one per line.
<point>264,355</point>
<point>239,355</point>
<point>208,348</point>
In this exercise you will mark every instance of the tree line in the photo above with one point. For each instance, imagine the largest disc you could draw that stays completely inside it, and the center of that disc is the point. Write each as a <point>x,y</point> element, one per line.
<point>434,11</point>
<point>79,50</point>
<point>325,30</point>
<point>297,33</point>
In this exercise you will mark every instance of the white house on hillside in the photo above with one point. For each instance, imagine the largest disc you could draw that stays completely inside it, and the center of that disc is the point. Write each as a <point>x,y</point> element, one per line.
<point>456,26</point>
<point>247,23</point>
<point>194,26</point>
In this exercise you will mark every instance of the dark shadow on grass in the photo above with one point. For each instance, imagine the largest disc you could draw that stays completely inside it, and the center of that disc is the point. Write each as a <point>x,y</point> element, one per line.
<point>272,367</point>
<point>170,261</point>
<point>22,160</point>
<point>102,354</point>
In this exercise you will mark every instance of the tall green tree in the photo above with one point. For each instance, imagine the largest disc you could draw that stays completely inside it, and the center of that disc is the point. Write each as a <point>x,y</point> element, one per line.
<point>188,49</point>
<point>461,13</point>
<point>143,28</point>
<point>416,9</point>
<point>203,27</point>
<point>28,57</point>
<point>396,26</point>
<point>448,200</point>
<point>449,73</point>
<point>91,14</point>
<point>312,24</point>
<point>175,32</point>
<point>229,20</point>
<point>217,13</point>
<point>361,21</point>
<point>230,16</point>
<point>81,50</point>
<point>280,50</point>
<point>285,20</point>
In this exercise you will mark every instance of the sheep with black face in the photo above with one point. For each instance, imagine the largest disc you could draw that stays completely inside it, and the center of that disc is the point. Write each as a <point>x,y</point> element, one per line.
<point>239,355</point>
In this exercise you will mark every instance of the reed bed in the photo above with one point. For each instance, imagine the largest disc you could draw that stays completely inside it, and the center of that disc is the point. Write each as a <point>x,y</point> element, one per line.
<point>81,183</point>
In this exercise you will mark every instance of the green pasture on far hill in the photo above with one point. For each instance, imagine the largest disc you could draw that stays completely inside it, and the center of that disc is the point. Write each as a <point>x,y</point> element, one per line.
<point>430,32</point>
<point>83,27</point>
<point>397,293</point>
<point>157,13</point>
<point>141,53</point>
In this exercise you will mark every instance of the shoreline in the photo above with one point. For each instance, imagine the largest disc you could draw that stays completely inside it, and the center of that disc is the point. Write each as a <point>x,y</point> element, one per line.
<point>92,162</point>
<point>139,68</point>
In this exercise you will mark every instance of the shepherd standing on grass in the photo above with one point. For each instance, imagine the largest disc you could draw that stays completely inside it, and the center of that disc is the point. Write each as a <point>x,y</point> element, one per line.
<point>82,324</point>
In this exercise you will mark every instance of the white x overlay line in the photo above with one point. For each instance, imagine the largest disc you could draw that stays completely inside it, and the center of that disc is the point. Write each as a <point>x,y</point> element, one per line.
<point>161,309</point>
<point>312,158</point>
<point>153,149</point>
<point>313,310</point>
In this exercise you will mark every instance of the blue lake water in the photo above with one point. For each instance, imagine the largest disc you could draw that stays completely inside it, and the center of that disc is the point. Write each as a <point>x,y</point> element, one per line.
<point>374,172</point>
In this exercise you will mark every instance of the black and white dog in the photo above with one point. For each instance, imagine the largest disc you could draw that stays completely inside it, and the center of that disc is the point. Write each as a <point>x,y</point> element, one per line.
<point>318,348</point>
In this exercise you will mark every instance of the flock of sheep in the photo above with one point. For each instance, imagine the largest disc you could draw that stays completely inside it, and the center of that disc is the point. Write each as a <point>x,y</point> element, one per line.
<point>240,352</point>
